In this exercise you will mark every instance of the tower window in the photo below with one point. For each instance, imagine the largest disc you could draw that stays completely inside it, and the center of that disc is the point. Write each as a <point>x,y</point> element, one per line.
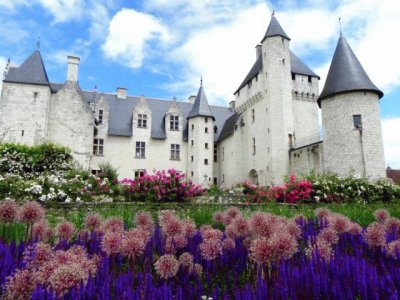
<point>206,120</point>
<point>215,153</point>
<point>206,145</point>
<point>223,153</point>
<point>215,129</point>
<point>35,95</point>
<point>254,146</point>
<point>192,127</point>
<point>191,173</point>
<point>206,130</point>
<point>357,121</point>
<point>191,158</point>
<point>174,122</point>
<point>309,79</point>
<point>142,121</point>
<point>100,116</point>
<point>22,133</point>
<point>206,161</point>
<point>98,147</point>
<point>293,76</point>
<point>192,142</point>
<point>140,149</point>
<point>223,178</point>
<point>175,151</point>
<point>253,115</point>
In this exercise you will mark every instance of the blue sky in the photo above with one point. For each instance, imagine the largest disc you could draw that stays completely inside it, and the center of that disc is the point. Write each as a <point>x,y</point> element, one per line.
<point>160,48</point>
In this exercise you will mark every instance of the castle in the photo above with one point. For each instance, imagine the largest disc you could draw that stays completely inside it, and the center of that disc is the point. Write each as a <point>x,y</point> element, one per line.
<point>270,130</point>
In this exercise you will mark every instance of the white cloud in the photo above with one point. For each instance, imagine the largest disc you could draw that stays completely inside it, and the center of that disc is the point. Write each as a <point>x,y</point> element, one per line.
<point>64,10</point>
<point>129,36</point>
<point>391,141</point>
<point>12,4</point>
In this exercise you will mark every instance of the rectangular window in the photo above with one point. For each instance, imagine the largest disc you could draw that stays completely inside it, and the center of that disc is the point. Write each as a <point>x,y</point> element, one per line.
<point>215,153</point>
<point>191,173</point>
<point>253,116</point>
<point>223,178</point>
<point>174,122</point>
<point>192,142</point>
<point>206,130</point>
<point>22,132</point>
<point>215,129</point>
<point>192,127</point>
<point>357,121</point>
<point>309,79</point>
<point>142,121</point>
<point>254,146</point>
<point>191,158</point>
<point>223,153</point>
<point>96,172</point>
<point>206,161</point>
<point>206,145</point>
<point>175,151</point>
<point>140,149</point>
<point>100,116</point>
<point>206,120</point>
<point>98,147</point>
<point>139,173</point>
<point>293,76</point>
<point>35,95</point>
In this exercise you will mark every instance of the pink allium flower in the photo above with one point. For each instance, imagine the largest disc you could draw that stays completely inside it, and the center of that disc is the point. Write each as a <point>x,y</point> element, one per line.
<point>139,233</point>
<point>293,229</point>
<point>210,249</point>
<point>355,229</point>
<point>381,215</point>
<point>8,212</point>
<point>169,245</point>
<point>205,227</point>
<point>261,250</point>
<point>65,230</point>
<point>19,286</point>
<point>219,217</point>
<point>322,213</point>
<point>113,224</point>
<point>196,269</point>
<point>166,215</point>
<point>172,226</point>
<point>189,228</point>
<point>111,242</point>
<point>323,249</point>
<point>66,277</point>
<point>211,234</point>
<point>167,266</point>
<point>230,231</point>
<point>228,244</point>
<point>328,235</point>
<point>393,248</point>
<point>339,223</point>
<point>93,221</point>
<point>31,212</point>
<point>257,223</point>
<point>240,226</point>
<point>186,260</point>
<point>283,245</point>
<point>375,234</point>
<point>133,245</point>
<point>41,231</point>
<point>144,220</point>
<point>180,241</point>
<point>37,254</point>
<point>232,212</point>
<point>392,224</point>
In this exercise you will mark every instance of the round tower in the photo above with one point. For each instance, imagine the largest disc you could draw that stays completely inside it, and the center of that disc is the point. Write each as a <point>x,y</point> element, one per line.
<point>351,118</point>
<point>201,141</point>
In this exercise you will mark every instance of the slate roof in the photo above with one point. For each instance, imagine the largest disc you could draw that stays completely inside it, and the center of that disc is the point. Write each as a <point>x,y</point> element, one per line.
<point>346,74</point>
<point>229,126</point>
<point>274,29</point>
<point>296,66</point>
<point>121,114</point>
<point>200,106</point>
<point>31,71</point>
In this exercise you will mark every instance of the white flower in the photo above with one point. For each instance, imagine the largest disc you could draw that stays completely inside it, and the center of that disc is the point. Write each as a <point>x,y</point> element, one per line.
<point>51,190</point>
<point>68,200</point>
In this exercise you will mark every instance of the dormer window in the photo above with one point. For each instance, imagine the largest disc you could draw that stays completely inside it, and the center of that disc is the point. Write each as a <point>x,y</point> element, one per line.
<point>100,116</point>
<point>142,121</point>
<point>174,122</point>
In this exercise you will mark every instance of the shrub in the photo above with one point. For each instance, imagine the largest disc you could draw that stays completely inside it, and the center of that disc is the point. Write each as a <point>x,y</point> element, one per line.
<point>292,191</point>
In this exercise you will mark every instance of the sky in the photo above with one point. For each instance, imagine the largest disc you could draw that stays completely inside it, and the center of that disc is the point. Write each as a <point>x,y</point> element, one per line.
<point>160,48</point>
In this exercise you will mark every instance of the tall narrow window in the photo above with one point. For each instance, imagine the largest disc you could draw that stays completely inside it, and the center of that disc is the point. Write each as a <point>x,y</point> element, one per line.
<point>253,115</point>
<point>309,79</point>
<point>254,146</point>
<point>223,153</point>
<point>142,121</point>
<point>215,129</point>
<point>175,151</point>
<point>98,147</point>
<point>206,161</point>
<point>140,149</point>
<point>192,142</point>
<point>290,140</point>
<point>357,121</point>
<point>206,145</point>
<point>192,127</point>
<point>206,130</point>
<point>174,122</point>
<point>215,153</point>
<point>191,158</point>
<point>22,132</point>
<point>100,116</point>
<point>206,120</point>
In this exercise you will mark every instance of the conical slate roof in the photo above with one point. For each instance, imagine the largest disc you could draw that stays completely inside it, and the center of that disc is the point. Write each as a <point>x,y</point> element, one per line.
<point>274,29</point>
<point>31,71</point>
<point>200,106</point>
<point>346,74</point>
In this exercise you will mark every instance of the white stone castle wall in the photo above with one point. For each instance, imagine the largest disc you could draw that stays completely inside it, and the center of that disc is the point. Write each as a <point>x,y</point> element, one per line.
<point>71,123</point>
<point>306,159</point>
<point>23,110</point>
<point>342,142</point>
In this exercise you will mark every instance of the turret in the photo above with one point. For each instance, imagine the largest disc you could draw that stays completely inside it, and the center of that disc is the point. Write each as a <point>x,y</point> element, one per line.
<point>201,141</point>
<point>351,118</point>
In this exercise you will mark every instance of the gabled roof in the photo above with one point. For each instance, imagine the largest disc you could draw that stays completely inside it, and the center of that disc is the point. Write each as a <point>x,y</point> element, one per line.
<point>200,106</point>
<point>31,71</point>
<point>229,127</point>
<point>274,29</point>
<point>346,74</point>
<point>298,67</point>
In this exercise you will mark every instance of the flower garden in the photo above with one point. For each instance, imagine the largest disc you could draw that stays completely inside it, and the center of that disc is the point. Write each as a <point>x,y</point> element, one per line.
<point>54,245</point>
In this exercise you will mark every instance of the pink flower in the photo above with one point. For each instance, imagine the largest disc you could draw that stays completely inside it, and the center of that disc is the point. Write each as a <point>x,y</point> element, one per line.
<point>66,277</point>
<point>8,212</point>
<point>293,229</point>
<point>261,250</point>
<point>283,245</point>
<point>113,224</point>
<point>355,229</point>
<point>375,234</point>
<point>186,260</point>
<point>321,213</point>
<point>167,266</point>
<point>210,249</point>
<point>189,228</point>
<point>180,241</point>
<point>211,234</point>
<point>111,242</point>
<point>393,248</point>
<point>93,221</point>
<point>228,244</point>
<point>19,286</point>
<point>339,223</point>
<point>381,215</point>
<point>133,245</point>
<point>196,269</point>
<point>219,217</point>
<point>172,226</point>
<point>392,224</point>
<point>31,212</point>
<point>240,226</point>
<point>232,212</point>
<point>41,231</point>
<point>144,220</point>
<point>329,236</point>
<point>65,230</point>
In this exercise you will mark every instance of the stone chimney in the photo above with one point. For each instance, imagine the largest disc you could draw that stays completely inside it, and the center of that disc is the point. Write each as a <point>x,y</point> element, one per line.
<point>258,50</point>
<point>232,105</point>
<point>121,93</point>
<point>73,67</point>
<point>191,99</point>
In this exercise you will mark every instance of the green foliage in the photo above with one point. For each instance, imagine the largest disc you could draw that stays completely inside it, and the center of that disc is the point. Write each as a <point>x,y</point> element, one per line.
<point>108,171</point>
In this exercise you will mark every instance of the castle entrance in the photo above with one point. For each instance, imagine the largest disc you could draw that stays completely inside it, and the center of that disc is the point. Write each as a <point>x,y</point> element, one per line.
<point>253,177</point>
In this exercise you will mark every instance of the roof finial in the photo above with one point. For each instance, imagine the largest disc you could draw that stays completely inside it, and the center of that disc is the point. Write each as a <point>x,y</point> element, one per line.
<point>201,81</point>
<point>38,43</point>
<point>340,26</point>
<point>273,13</point>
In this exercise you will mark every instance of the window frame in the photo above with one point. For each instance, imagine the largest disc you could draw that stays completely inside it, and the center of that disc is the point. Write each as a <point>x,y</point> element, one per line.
<point>175,151</point>
<point>98,147</point>
<point>174,122</point>
<point>142,121</point>
<point>140,149</point>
